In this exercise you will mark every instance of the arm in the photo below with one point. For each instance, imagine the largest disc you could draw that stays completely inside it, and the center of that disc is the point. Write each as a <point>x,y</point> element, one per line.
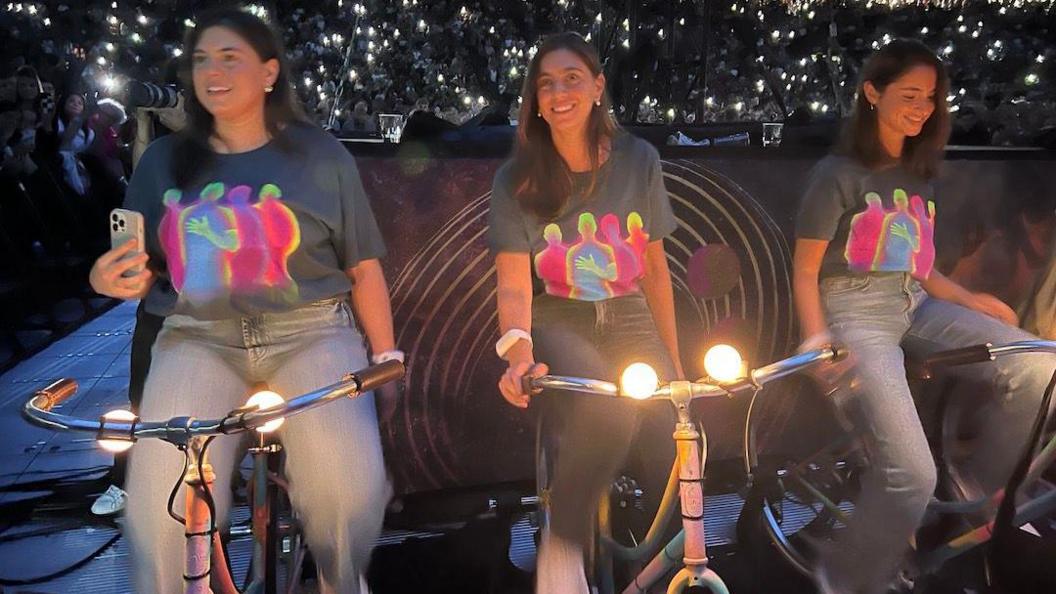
<point>514,296</point>
<point>940,286</point>
<point>656,284</point>
<point>806,266</point>
<point>370,302</point>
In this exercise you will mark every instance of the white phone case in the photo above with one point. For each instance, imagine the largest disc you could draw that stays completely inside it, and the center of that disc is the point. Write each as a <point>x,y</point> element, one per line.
<point>124,226</point>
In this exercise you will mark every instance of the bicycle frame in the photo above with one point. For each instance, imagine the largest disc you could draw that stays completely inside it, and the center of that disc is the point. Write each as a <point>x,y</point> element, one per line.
<point>691,453</point>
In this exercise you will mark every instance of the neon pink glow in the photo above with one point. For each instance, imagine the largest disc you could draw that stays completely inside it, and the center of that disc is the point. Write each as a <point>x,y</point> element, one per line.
<point>601,263</point>
<point>222,245</point>
<point>897,240</point>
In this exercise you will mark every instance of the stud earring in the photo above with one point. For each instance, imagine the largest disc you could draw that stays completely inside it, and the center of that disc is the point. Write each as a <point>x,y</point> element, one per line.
<point>597,102</point>
<point>269,89</point>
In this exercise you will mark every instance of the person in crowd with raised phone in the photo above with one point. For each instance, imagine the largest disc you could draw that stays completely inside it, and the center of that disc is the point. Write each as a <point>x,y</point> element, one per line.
<point>577,222</point>
<point>262,255</point>
<point>864,275</point>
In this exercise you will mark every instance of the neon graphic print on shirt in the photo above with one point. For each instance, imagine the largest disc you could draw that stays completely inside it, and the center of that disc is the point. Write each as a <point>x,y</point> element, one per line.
<point>602,263</point>
<point>897,240</point>
<point>223,245</point>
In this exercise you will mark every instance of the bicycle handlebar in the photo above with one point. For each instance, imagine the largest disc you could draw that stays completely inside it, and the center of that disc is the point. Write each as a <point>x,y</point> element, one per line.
<point>39,410</point>
<point>698,389</point>
<point>987,352</point>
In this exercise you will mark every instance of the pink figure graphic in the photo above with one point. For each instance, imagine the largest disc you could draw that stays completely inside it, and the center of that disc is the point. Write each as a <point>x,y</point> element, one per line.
<point>863,238</point>
<point>638,238</point>
<point>246,264</point>
<point>551,264</point>
<point>283,237</point>
<point>171,239</point>
<point>924,258</point>
<point>628,262</point>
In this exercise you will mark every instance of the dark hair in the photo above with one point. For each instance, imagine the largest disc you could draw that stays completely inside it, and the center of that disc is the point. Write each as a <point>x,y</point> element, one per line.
<point>60,112</point>
<point>29,72</point>
<point>542,181</point>
<point>192,152</point>
<point>860,136</point>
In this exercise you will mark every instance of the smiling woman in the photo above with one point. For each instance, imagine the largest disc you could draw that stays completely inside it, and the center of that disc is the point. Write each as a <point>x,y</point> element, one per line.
<point>864,273</point>
<point>577,221</point>
<point>263,253</point>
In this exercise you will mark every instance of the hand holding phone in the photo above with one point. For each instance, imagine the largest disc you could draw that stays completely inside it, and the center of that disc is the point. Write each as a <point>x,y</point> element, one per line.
<point>126,225</point>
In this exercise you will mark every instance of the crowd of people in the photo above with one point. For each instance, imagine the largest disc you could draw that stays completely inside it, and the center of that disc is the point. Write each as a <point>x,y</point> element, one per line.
<point>689,63</point>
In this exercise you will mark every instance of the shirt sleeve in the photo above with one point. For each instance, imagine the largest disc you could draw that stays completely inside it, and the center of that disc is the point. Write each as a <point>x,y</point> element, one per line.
<point>358,237</point>
<point>661,218</point>
<point>824,202</point>
<point>506,229</point>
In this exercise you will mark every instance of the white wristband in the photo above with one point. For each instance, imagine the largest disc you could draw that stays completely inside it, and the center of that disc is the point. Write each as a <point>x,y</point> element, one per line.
<point>393,355</point>
<point>509,339</point>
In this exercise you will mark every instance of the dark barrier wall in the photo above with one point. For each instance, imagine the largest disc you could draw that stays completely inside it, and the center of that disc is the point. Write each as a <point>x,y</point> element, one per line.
<point>730,259</point>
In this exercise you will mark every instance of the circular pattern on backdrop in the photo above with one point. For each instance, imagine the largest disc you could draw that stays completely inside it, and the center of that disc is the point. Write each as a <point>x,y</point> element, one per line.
<point>730,270</point>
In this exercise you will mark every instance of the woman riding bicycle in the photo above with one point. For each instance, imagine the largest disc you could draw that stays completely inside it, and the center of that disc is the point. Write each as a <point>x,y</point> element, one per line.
<point>259,232</point>
<point>577,222</point>
<point>863,274</point>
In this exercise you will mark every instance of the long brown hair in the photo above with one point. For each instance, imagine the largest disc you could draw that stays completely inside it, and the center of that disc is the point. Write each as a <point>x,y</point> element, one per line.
<point>192,153</point>
<point>542,181</point>
<point>860,137</point>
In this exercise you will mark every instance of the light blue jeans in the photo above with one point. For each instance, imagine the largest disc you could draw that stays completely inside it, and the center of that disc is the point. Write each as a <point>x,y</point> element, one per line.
<point>878,317</point>
<point>334,465</point>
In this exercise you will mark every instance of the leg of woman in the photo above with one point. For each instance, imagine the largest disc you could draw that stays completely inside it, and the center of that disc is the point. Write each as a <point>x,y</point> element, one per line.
<point>998,400</point>
<point>895,490</point>
<point>592,434</point>
<point>595,433</point>
<point>156,540</point>
<point>338,484</point>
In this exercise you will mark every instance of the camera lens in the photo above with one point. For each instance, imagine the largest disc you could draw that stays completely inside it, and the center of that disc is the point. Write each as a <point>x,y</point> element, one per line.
<point>114,227</point>
<point>114,216</point>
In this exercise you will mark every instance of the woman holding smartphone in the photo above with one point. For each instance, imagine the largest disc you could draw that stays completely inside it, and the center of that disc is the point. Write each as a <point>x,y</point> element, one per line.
<point>262,254</point>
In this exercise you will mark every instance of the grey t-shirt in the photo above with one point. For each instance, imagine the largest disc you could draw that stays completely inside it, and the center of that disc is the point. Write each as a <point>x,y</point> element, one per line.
<point>879,220</point>
<point>262,231</point>
<point>595,248</point>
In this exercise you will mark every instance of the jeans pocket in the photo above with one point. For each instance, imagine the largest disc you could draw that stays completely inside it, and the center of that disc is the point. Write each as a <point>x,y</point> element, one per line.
<point>842,285</point>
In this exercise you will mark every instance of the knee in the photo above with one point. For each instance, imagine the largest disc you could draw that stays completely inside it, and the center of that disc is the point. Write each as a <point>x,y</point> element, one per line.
<point>914,479</point>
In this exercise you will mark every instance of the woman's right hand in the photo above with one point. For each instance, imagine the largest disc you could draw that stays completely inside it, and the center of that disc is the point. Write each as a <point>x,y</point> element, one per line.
<point>512,382</point>
<point>106,275</point>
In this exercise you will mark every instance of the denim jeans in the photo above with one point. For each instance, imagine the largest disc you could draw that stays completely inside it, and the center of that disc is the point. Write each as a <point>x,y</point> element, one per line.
<point>338,484</point>
<point>592,433</point>
<point>880,317</point>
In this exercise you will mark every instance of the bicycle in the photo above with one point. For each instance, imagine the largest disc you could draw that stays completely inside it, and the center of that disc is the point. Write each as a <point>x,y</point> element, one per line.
<point>820,488</point>
<point>639,381</point>
<point>265,412</point>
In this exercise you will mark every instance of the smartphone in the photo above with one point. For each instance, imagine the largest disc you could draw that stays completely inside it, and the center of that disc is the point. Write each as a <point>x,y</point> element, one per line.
<point>126,225</point>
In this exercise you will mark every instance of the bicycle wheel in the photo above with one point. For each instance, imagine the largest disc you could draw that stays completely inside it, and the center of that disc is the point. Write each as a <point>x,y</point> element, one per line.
<point>805,473</point>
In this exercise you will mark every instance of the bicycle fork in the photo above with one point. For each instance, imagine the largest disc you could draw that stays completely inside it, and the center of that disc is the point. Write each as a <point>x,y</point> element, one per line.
<point>692,448</point>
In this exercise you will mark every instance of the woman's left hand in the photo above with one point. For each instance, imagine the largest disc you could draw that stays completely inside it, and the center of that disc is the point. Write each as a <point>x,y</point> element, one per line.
<point>987,304</point>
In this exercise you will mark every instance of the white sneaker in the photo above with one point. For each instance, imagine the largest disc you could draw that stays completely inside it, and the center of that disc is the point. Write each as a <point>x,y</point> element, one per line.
<point>110,502</point>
